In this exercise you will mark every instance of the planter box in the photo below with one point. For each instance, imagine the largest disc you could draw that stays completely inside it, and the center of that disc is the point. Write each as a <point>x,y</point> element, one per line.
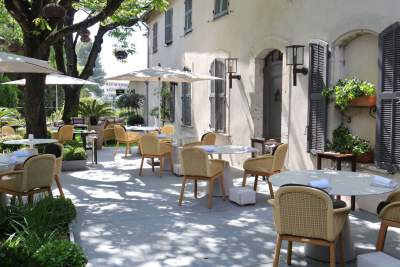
<point>366,158</point>
<point>74,165</point>
<point>364,101</point>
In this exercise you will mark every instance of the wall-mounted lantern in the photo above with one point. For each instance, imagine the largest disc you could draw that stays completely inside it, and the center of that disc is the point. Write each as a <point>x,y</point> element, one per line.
<point>295,58</point>
<point>231,69</point>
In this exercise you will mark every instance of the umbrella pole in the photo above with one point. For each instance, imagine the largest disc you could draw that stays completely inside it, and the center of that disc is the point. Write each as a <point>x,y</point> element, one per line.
<point>159,102</point>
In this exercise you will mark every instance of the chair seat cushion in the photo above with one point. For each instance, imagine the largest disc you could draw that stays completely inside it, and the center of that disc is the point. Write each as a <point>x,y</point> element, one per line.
<point>377,259</point>
<point>242,195</point>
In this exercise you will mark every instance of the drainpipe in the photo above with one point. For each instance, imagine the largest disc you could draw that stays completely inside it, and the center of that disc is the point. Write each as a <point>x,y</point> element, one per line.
<point>146,101</point>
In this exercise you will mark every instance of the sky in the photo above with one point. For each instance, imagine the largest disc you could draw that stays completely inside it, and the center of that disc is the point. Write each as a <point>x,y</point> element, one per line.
<point>111,65</point>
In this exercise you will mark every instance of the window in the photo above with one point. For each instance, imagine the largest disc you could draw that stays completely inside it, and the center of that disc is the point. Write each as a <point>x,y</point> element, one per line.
<point>220,8</point>
<point>317,112</point>
<point>188,16</point>
<point>218,96</point>
<point>186,103</point>
<point>168,26</point>
<point>168,102</point>
<point>155,39</point>
<point>388,102</point>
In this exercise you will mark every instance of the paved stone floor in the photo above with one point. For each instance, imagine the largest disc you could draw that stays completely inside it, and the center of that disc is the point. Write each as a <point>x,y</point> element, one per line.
<point>127,220</point>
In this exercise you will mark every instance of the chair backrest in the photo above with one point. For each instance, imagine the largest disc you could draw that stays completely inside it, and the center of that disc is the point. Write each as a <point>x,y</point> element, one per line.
<point>149,145</point>
<point>7,131</point>
<point>279,157</point>
<point>66,133</point>
<point>57,150</point>
<point>120,133</point>
<point>39,171</point>
<point>208,139</point>
<point>194,162</point>
<point>168,129</point>
<point>304,211</point>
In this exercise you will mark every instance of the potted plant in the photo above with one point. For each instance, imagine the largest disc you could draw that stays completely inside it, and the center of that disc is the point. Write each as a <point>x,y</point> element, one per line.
<point>93,110</point>
<point>352,92</point>
<point>363,150</point>
<point>74,158</point>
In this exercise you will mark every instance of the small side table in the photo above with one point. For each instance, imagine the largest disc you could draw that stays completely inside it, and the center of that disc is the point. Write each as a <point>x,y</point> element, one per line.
<point>338,158</point>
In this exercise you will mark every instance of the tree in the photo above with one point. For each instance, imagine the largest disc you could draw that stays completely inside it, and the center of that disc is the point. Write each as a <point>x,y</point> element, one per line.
<point>130,101</point>
<point>39,34</point>
<point>8,94</point>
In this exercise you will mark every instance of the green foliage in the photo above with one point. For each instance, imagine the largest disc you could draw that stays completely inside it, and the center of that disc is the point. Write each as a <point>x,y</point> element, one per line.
<point>5,147</point>
<point>131,101</point>
<point>134,119</point>
<point>345,91</point>
<point>94,110</point>
<point>55,117</point>
<point>60,253</point>
<point>344,142</point>
<point>74,153</point>
<point>8,94</point>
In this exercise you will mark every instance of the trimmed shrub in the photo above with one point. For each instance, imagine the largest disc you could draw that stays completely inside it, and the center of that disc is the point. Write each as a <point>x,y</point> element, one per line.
<point>60,253</point>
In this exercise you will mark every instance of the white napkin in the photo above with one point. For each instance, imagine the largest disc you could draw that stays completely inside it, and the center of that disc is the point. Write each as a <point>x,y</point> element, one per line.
<point>22,153</point>
<point>320,183</point>
<point>208,149</point>
<point>12,160</point>
<point>380,181</point>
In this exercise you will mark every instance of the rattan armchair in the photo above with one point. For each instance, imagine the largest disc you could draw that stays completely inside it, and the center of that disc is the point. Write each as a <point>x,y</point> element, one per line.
<point>150,147</point>
<point>389,213</point>
<point>265,166</point>
<point>169,130</point>
<point>57,150</point>
<point>7,131</point>
<point>124,137</point>
<point>37,176</point>
<point>65,133</point>
<point>109,134</point>
<point>197,166</point>
<point>208,139</point>
<point>306,215</point>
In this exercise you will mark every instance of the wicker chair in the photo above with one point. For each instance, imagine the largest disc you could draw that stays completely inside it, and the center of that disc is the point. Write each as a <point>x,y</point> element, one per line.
<point>124,137</point>
<point>197,166</point>
<point>167,129</point>
<point>306,215</point>
<point>208,139</point>
<point>265,166</point>
<point>109,134</point>
<point>57,150</point>
<point>65,133</point>
<point>37,176</point>
<point>7,131</point>
<point>150,147</point>
<point>389,213</point>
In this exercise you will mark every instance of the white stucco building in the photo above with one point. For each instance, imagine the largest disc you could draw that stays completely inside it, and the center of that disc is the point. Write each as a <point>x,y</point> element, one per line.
<point>341,39</point>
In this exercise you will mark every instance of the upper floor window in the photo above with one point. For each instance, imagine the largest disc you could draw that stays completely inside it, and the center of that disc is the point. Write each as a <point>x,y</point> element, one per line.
<point>188,16</point>
<point>155,40</point>
<point>220,8</point>
<point>168,26</point>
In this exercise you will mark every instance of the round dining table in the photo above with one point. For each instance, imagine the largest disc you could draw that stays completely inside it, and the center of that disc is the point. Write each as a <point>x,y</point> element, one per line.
<point>30,142</point>
<point>343,183</point>
<point>226,150</point>
<point>142,128</point>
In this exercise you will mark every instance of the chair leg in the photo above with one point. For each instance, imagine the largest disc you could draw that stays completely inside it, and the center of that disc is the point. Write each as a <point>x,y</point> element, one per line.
<point>289,253</point>
<point>58,182</point>
<point>161,159</point>
<point>277,251</point>
<point>210,192</point>
<point>141,166</point>
<point>222,186</point>
<point>271,190</point>
<point>255,182</point>
<point>195,188</point>
<point>152,164</point>
<point>380,244</point>
<point>341,250</point>
<point>116,148</point>
<point>332,255</point>
<point>126,149</point>
<point>171,162</point>
<point>244,179</point>
<point>182,191</point>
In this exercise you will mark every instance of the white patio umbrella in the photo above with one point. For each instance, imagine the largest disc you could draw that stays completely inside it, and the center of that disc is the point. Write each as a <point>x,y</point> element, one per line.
<point>56,79</point>
<point>162,74</point>
<point>20,64</point>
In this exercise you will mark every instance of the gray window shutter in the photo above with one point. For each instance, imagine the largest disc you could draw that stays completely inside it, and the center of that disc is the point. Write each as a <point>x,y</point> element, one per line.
<point>186,104</point>
<point>388,104</point>
<point>317,112</point>
<point>220,106</point>
<point>155,34</point>
<point>212,97</point>
<point>168,26</point>
<point>172,102</point>
<point>188,15</point>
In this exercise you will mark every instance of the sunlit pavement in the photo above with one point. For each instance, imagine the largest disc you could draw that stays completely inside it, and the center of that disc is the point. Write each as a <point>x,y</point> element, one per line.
<point>127,220</point>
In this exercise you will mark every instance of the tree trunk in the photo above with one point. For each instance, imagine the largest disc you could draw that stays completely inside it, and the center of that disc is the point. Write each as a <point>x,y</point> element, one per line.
<point>71,102</point>
<point>35,115</point>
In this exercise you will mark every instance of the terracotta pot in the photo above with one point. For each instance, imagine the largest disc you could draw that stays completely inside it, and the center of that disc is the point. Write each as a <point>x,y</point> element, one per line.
<point>14,47</point>
<point>54,11</point>
<point>366,158</point>
<point>364,101</point>
<point>85,39</point>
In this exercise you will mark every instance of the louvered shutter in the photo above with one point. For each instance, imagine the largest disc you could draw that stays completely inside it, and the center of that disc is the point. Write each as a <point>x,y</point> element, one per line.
<point>155,34</point>
<point>186,104</point>
<point>188,15</point>
<point>172,102</point>
<point>168,26</point>
<point>220,100</point>
<point>388,106</point>
<point>212,97</point>
<point>318,80</point>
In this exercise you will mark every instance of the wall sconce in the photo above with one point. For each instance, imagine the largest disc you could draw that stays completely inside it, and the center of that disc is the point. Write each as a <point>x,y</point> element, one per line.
<point>231,64</point>
<point>295,57</point>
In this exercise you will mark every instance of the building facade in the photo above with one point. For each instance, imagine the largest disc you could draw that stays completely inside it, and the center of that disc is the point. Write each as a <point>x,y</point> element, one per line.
<point>341,40</point>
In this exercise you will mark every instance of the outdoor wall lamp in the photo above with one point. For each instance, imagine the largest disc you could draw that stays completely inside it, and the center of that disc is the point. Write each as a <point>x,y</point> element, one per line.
<point>231,64</point>
<point>295,57</point>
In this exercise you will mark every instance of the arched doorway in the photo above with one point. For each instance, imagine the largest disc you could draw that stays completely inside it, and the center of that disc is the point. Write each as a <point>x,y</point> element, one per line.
<point>272,96</point>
